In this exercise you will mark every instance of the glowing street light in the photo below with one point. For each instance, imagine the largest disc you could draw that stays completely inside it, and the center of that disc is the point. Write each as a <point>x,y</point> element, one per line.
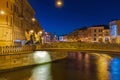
<point>2,12</point>
<point>33,19</point>
<point>40,32</point>
<point>59,3</point>
<point>31,31</point>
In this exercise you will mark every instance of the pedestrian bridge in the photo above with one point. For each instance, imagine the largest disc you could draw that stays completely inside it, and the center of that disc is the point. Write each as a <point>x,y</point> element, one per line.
<point>79,46</point>
<point>64,46</point>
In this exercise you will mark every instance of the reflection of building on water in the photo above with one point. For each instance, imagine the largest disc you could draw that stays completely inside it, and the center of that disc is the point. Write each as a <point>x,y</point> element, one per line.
<point>115,65</point>
<point>115,69</point>
<point>76,55</point>
<point>81,58</point>
<point>102,62</point>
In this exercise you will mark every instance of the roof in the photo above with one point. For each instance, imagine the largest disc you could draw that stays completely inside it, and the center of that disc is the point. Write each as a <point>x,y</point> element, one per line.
<point>105,26</point>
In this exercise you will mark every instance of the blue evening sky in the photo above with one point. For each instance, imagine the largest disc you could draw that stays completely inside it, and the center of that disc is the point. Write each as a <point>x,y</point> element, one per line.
<point>74,14</point>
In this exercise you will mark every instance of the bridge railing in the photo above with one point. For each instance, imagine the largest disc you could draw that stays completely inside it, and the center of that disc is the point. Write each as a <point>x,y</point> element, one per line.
<point>81,46</point>
<point>15,49</point>
<point>60,45</point>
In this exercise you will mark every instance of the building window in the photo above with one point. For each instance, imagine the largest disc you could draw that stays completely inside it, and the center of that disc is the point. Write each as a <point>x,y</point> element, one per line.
<point>94,30</point>
<point>94,34</point>
<point>11,7</point>
<point>94,39</point>
<point>7,4</point>
<point>100,34</point>
<point>7,19</point>
<point>11,21</point>
<point>106,34</point>
<point>99,30</point>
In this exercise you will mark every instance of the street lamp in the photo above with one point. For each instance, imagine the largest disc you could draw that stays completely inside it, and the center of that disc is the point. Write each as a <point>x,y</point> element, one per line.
<point>59,3</point>
<point>33,19</point>
<point>2,12</point>
<point>31,31</point>
<point>40,32</point>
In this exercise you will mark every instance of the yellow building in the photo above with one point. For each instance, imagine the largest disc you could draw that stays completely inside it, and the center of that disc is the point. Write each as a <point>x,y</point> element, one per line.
<point>16,17</point>
<point>99,33</point>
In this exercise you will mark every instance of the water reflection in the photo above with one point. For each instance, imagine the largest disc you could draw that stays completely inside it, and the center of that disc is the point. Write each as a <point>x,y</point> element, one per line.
<point>102,68</point>
<point>115,69</point>
<point>42,72</point>
<point>93,65</point>
<point>41,57</point>
<point>78,66</point>
<point>23,74</point>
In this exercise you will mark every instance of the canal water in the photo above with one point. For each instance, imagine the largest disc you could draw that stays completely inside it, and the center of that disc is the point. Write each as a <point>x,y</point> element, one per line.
<point>77,66</point>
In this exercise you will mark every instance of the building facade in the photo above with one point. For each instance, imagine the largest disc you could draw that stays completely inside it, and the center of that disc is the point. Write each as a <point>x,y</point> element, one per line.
<point>99,33</point>
<point>115,31</point>
<point>16,17</point>
<point>47,37</point>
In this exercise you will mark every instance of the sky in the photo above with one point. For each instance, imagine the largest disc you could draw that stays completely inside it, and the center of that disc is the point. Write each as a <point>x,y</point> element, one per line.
<point>74,14</point>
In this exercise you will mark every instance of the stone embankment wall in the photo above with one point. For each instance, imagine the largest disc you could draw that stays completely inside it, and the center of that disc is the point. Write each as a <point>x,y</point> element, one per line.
<point>14,57</point>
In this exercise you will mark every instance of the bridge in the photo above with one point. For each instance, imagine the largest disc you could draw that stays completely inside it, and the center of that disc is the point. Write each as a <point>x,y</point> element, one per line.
<point>79,46</point>
<point>62,46</point>
<point>13,57</point>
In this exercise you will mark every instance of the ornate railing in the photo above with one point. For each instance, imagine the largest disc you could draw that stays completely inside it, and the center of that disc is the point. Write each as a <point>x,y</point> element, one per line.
<point>81,46</point>
<point>60,46</point>
<point>15,49</point>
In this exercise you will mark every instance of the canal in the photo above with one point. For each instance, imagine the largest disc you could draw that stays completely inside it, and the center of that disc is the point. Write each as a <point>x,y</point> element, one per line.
<point>77,66</point>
